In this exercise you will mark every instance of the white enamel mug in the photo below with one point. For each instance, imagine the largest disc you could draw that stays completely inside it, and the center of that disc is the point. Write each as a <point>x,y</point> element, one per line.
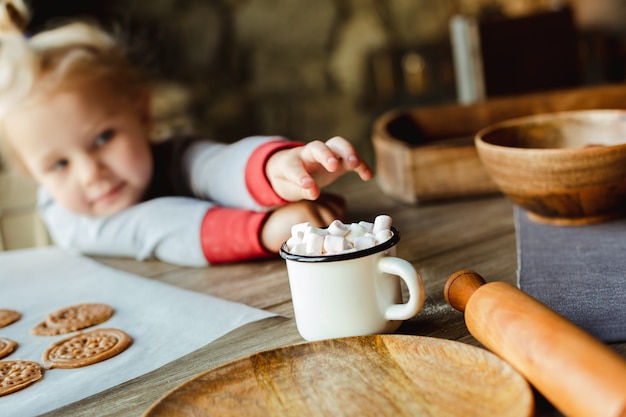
<point>352,294</point>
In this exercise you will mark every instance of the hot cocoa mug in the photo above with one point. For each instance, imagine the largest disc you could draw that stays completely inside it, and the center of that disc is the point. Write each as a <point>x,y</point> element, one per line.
<point>352,294</point>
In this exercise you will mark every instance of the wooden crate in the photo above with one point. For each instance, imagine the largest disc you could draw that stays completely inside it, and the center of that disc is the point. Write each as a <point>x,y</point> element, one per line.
<point>427,153</point>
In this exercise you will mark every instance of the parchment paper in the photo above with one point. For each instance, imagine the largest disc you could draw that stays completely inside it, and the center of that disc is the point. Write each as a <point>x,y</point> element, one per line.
<point>164,321</point>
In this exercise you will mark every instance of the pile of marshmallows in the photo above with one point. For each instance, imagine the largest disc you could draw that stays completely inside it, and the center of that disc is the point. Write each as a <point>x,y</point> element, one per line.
<point>338,237</point>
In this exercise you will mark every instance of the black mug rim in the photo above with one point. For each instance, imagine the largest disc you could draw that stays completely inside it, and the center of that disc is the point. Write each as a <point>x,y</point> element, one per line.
<point>392,241</point>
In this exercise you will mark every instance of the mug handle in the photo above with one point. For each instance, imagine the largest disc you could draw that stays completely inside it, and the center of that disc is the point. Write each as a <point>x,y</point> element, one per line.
<point>412,278</point>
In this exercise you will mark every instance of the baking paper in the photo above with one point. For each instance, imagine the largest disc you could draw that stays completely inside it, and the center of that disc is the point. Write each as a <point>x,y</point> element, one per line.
<point>164,321</point>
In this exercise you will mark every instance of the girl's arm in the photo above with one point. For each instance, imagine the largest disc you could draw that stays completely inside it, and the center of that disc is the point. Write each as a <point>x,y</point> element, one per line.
<point>177,230</point>
<point>233,175</point>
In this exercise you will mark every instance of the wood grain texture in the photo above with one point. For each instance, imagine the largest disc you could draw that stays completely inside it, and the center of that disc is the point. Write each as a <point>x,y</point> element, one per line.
<point>579,374</point>
<point>385,375</point>
<point>565,168</point>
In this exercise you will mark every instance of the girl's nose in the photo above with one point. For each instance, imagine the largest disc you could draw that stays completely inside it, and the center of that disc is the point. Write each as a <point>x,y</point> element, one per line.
<point>88,169</point>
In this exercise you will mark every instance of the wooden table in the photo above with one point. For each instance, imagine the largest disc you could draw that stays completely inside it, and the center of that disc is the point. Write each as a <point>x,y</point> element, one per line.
<point>438,239</point>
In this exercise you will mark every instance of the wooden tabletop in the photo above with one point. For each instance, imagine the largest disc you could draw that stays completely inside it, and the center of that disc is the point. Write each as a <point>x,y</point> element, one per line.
<point>438,239</point>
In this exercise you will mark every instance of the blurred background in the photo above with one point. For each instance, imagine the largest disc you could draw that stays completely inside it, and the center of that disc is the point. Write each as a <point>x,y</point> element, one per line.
<point>314,69</point>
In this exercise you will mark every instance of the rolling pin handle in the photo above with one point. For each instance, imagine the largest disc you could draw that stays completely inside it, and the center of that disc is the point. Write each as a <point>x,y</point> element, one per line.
<point>577,373</point>
<point>460,286</point>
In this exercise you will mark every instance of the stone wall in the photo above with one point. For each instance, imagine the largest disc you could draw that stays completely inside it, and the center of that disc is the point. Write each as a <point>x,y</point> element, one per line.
<point>303,69</point>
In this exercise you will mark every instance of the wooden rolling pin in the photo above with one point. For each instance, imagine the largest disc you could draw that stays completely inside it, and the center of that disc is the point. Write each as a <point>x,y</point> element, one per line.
<point>576,372</point>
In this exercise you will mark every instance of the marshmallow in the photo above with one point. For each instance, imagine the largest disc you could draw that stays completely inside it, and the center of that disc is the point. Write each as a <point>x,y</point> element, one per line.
<point>314,243</point>
<point>382,222</point>
<point>349,250</point>
<point>298,249</point>
<point>364,242</point>
<point>300,227</point>
<point>295,239</point>
<point>334,244</point>
<point>383,235</point>
<point>337,228</point>
<point>315,230</point>
<point>369,226</point>
<point>355,230</point>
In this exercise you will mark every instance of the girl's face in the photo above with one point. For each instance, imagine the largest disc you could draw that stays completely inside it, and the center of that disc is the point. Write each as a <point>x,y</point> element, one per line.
<point>88,148</point>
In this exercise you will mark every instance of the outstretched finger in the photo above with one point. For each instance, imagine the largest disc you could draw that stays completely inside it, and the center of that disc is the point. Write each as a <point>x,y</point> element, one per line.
<point>319,153</point>
<point>349,157</point>
<point>364,171</point>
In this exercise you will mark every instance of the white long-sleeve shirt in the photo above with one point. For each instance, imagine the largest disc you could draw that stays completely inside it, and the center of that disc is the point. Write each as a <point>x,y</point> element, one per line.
<point>176,227</point>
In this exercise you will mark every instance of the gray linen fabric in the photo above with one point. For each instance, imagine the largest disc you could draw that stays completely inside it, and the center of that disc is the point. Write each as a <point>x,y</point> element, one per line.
<point>578,271</point>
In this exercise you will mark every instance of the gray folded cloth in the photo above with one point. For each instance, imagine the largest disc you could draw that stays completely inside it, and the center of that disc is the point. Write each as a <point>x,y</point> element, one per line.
<point>578,271</point>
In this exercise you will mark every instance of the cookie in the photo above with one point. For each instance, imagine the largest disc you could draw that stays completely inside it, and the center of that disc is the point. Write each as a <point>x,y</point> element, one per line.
<point>73,318</point>
<point>16,375</point>
<point>6,346</point>
<point>86,348</point>
<point>8,316</point>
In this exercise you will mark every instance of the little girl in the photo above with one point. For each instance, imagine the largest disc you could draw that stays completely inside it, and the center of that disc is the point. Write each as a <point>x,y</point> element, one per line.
<point>75,116</point>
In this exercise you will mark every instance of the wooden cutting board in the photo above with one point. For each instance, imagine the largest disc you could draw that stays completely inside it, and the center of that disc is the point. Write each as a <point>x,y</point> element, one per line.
<point>382,375</point>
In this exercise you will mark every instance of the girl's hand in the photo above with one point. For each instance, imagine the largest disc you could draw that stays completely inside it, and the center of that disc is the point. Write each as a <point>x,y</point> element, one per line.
<point>277,227</point>
<point>301,173</point>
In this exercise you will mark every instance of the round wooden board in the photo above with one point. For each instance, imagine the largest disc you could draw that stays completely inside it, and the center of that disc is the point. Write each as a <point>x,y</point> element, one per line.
<point>382,375</point>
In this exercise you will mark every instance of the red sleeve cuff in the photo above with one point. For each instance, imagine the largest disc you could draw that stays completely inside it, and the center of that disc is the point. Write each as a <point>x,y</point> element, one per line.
<point>256,181</point>
<point>232,235</point>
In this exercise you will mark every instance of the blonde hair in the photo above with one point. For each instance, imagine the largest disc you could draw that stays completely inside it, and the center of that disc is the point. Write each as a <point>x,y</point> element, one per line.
<point>68,56</point>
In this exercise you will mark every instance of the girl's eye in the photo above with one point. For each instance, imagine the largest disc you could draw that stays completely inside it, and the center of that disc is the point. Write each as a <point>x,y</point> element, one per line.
<point>105,137</point>
<point>60,165</point>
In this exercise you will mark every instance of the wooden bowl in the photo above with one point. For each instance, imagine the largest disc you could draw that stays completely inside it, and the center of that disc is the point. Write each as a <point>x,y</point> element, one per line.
<point>565,168</point>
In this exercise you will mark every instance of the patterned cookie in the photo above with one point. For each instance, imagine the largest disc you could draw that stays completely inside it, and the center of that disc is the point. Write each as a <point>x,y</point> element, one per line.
<point>8,316</point>
<point>6,346</point>
<point>16,375</point>
<point>86,348</point>
<point>70,319</point>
